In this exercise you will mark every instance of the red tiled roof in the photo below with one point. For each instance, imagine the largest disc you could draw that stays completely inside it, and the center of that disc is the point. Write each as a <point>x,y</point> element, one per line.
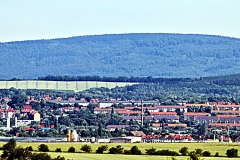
<point>129,112</point>
<point>26,111</point>
<point>28,107</point>
<point>109,109</point>
<point>205,104</point>
<point>196,114</point>
<point>224,124</point>
<point>163,113</point>
<point>160,107</point>
<point>227,105</point>
<point>225,111</point>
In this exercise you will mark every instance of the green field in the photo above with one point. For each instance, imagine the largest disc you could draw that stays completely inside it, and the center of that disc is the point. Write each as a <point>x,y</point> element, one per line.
<point>212,147</point>
<point>60,85</point>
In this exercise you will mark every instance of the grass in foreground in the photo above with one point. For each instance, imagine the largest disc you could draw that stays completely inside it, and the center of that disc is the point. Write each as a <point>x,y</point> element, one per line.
<point>212,147</point>
<point>83,156</point>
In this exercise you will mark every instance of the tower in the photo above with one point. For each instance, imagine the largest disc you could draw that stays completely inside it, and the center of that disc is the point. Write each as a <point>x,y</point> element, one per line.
<point>142,112</point>
<point>8,122</point>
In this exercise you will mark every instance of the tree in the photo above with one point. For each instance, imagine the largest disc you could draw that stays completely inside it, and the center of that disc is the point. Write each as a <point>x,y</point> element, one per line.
<point>40,156</point>
<point>100,132</point>
<point>43,148</point>
<point>8,148</point>
<point>135,150</point>
<point>19,99</point>
<point>86,148</point>
<point>194,156</point>
<point>232,152</point>
<point>58,150</point>
<point>150,151</point>
<point>19,153</point>
<point>206,154</point>
<point>116,150</point>
<point>198,151</point>
<point>71,149</point>
<point>102,148</point>
<point>184,151</point>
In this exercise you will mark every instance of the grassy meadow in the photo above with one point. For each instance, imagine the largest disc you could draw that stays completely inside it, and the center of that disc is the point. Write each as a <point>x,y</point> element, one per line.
<point>60,85</point>
<point>212,147</point>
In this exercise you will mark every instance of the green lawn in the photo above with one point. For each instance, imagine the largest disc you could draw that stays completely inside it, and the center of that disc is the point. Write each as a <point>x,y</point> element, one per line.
<point>212,147</point>
<point>83,156</point>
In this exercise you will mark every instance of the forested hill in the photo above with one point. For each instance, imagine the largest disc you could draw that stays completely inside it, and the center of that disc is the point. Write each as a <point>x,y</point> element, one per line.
<point>138,55</point>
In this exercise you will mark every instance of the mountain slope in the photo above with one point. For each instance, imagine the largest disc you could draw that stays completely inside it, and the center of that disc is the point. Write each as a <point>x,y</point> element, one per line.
<point>166,55</point>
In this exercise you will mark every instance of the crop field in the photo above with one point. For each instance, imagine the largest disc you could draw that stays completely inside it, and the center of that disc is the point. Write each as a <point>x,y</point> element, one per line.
<point>60,85</point>
<point>212,147</point>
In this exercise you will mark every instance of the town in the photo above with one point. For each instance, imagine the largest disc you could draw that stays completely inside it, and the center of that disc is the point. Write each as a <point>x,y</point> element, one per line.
<point>117,121</point>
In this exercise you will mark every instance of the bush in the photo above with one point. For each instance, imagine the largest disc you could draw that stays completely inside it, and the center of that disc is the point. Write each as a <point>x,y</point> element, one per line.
<point>86,148</point>
<point>206,154</point>
<point>38,156</point>
<point>232,152</point>
<point>198,151</point>
<point>216,154</point>
<point>102,148</point>
<point>59,158</point>
<point>166,152</point>
<point>71,150</point>
<point>135,150</point>
<point>29,148</point>
<point>194,156</point>
<point>184,151</point>
<point>43,148</point>
<point>150,151</point>
<point>58,150</point>
<point>116,150</point>
<point>126,151</point>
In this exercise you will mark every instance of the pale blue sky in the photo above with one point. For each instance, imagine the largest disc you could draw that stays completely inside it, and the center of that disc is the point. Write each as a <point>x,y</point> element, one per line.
<point>45,19</point>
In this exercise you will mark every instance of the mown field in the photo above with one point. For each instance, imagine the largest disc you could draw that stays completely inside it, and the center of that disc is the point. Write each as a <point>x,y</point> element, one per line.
<point>212,147</point>
<point>60,85</point>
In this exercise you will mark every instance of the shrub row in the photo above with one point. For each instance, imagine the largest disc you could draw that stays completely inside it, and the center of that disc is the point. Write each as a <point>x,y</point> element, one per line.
<point>135,151</point>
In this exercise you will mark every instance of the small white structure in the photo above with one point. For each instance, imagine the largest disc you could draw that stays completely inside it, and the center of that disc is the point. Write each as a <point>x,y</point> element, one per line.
<point>74,136</point>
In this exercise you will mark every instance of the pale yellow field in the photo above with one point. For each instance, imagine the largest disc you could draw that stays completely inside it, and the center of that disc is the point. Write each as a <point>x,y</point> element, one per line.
<point>60,85</point>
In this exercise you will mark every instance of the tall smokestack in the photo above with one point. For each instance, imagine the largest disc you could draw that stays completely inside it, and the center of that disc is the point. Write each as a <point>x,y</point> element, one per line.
<point>8,122</point>
<point>16,122</point>
<point>142,112</point>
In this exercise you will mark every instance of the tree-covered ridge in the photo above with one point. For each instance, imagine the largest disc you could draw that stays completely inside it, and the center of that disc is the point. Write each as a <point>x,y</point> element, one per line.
<point>204,89</point>
<point>166,55</point>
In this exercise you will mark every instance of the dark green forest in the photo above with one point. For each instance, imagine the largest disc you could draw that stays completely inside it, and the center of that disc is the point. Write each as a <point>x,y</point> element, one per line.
<point>203,89</point>
<point>137,55</point>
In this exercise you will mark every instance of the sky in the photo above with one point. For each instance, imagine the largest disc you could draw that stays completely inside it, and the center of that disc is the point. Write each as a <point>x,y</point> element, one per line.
<point>47,19</point>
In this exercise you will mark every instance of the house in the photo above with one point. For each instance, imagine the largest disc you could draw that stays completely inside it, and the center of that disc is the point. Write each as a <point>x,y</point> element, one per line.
<point>226,107</point>
<point>237,139</point>
<point>136,134</point>
<point>27,107</point>
<point>228,119</point>
<point>135,118</point>
<point>114,127</point>
<point>33,115</point>
<point>126,140</point>
<point>226,112</point>
<point>171,108</point>
<point>108,110</point>
<point>122,112</point>
<point>149,109</point>
<point>191,116</point>
<point>197,105</point>
<point>105,104</point>
<point>208,119</point>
